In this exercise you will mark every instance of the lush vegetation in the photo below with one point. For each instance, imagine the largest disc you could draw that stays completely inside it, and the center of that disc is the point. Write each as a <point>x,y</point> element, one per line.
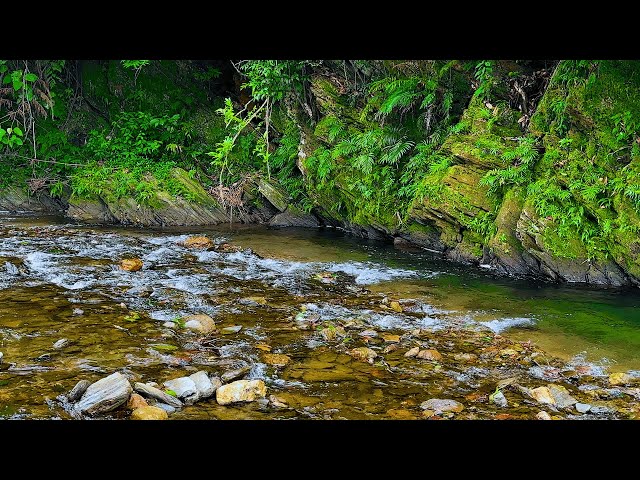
<point>400,145</point>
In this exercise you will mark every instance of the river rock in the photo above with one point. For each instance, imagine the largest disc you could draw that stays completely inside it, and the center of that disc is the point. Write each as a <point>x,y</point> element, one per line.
<point>368,333</point>
<point>542,415</point>
<point>136,401</point>
<point>241,391</point>
<point>198,242</point>
<point>561,396</point>
<point>105,395</point>
<point>620,378</point>
<point>395,306</point>
<point>63,342</point>
<point>363,353</point>
<point>277,359</point>
<point>438,405</point>
<point>542,395</point>
<point>583,407</point>
<point>465,357</point>
<point>149,413</point>
<point>277,402</point>
<point>203,383</point>
<point>201,323</point>
<point>499,399</point>
<point>412,352</point>
<point>77,391</point>
<point>157,394</point>
<point>1,356</point>
<point>185,388</point>
<point>253,301</point>
<point>235,374</point>
<point>131,264</point>
<point>231,330</point>
<point>430,354</point>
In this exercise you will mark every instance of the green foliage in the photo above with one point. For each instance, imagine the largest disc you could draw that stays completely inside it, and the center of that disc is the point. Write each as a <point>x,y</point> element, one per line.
<point>521,161</point>
<point>484,77</point>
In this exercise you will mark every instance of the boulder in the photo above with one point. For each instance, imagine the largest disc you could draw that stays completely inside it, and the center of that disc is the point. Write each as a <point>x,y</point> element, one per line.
<point>149,413</point>
<point>431,354</point>
<point>105,395</point>
<point>157,394</point>
<point>241,391</point>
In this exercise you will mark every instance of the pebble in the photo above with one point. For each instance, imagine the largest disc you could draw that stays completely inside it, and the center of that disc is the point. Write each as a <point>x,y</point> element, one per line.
<point>619,378</point>
<point>1,356</point>
<point>169,325</point>
<point>542,395</point>
<point>430,354</point>
<point>368,333</point>
<point>277,359</point>
<point>78,311</point>
<point>11,268</point>
<point>396,307</point>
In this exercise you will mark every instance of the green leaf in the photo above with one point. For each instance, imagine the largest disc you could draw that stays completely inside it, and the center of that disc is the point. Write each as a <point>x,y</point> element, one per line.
<point>17,84</point>
<point>3,68</point>
<point>31,77</point>
<point>171,392</point>
<point>17,131</point>
<point>6,80</point>
<point>3,132</point>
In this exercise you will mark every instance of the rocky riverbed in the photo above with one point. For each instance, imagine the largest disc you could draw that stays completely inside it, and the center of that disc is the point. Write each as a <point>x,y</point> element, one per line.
<point>126,324</point>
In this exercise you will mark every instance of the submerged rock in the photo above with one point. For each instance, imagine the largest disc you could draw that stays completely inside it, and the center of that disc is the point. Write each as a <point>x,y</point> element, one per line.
<point>253,301</point>
<point>201,323</point>
<point>131,264</point>
<point>157,394</point>
<point>167,408</point>
<point>199,242</point>
<point>241,391</point>
<point>277,359</point>
<point>438,405</point>
<point>430,354</point>
<point>105,395</point>
<point>363,353</point>
<point>77,391</point>
<point>149,413</point>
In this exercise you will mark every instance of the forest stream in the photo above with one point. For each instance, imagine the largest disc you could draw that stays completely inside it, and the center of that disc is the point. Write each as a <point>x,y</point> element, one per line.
<point>336,327</point>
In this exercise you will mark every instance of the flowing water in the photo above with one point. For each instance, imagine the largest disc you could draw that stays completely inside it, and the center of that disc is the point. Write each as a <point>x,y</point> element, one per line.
<point>310,294</point>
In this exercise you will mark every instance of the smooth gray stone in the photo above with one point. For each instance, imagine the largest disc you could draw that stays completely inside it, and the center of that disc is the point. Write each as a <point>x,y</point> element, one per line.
<point>77,391</point>
<point>105,395</point>
<point>153,392</point>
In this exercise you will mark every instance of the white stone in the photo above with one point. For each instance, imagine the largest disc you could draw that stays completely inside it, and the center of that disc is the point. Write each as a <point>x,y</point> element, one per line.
<point>105,395</point>
<point>184,387</point>
<point>203,384</point>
